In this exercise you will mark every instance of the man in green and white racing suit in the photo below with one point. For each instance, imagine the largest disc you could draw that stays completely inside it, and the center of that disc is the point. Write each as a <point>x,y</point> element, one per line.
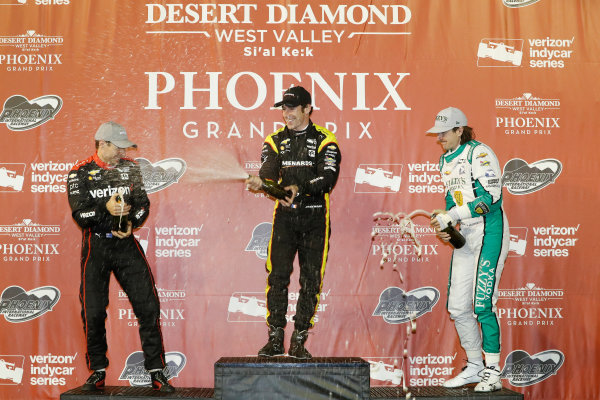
<point>472,178</point>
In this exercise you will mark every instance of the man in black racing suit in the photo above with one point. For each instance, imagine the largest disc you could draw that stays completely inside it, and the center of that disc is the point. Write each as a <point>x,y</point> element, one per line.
<point>100,188</point>
<point>304,159</point>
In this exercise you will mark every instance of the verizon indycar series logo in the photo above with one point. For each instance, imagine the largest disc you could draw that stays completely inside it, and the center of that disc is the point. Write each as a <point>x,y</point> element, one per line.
<point>36,2</point>
<point>136,373</point>
<point>519,177</point>
<point>247,307</point>
<point>397,306</point>
<point>518,3</point>
<point>176,241</point>
<point>142,235</point>
<point>20,114</point>
<point>11,369</point>
<point>500,53</point>
<point>382,178</point>
<point>12,176</point>
<point>518,241</point>
<point>521,369</point>
<point>385,371</point>
<point>161,174</point>
<point>259,242</point>
<point>13,2</point>
<point>17,305</point>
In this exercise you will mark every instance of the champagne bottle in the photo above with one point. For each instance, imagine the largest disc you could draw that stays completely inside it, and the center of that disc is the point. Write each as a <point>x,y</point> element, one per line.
<point>274,189</point>
<point>457,240</point>
<point>119,222</point>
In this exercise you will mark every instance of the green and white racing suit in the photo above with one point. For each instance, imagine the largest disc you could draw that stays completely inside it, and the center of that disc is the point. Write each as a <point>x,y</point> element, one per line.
<point>472,177</point>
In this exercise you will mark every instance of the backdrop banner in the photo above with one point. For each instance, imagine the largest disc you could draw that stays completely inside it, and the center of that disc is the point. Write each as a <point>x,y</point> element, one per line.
<point>194,83</point>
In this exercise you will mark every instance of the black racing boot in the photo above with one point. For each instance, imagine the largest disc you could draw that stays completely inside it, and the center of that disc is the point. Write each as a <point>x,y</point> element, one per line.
<point>274,346</point>
<point>297,349</point>
<point>160,382</point>
<point>95,381</point>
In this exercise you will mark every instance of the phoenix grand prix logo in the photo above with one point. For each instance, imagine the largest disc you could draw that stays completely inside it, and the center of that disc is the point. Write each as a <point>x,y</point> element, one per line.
<point>17,305</point>
<point>519,177</point>
<point>20,114</point>
<point>161,174</point>
<point>397,306</point>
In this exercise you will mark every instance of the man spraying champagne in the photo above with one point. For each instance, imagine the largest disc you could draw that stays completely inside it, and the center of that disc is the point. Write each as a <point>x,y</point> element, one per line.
<point>303,160</point>
<point>471,175</point>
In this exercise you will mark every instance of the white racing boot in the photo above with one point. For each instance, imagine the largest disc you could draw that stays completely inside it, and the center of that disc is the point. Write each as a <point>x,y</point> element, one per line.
<point>490,380</point>
<point>469,374</point>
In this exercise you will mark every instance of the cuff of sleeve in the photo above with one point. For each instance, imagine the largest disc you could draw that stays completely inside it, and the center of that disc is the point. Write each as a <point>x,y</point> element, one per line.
<point>459,213</point>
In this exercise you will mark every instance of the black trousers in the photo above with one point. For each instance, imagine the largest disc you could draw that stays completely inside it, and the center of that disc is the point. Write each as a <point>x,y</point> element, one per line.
<point>305,232</point>
<point>125,258</point>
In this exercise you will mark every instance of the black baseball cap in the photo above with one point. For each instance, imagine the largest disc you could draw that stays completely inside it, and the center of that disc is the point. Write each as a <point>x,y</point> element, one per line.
<point>295,96</point>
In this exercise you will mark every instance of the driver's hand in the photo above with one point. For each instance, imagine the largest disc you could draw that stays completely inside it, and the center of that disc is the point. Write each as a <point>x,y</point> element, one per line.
<point>253,183</point>
<point>290,199</point>
<point>114,207</point>
<point>123,235</point>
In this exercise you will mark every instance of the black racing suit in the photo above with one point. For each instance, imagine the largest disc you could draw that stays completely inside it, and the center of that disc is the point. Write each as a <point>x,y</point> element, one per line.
<point>310,160</point>
<point>91,184</point>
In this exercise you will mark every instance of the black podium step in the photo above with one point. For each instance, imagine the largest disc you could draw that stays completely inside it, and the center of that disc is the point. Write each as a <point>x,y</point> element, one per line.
<point>279,378</point>
<point>376,393</point>
<point>137,393</point>
<point>440,393</point>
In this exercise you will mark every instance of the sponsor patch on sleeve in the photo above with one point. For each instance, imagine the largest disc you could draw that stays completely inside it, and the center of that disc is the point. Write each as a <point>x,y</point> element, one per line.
<point>481,208</point>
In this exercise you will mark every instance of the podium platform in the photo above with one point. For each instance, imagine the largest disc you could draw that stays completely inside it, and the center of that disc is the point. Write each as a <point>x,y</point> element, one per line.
<point>279,378</point>
<point>285,378</point>
<point>376,393</point>
<point>136,393</point>
<point>441,393</point>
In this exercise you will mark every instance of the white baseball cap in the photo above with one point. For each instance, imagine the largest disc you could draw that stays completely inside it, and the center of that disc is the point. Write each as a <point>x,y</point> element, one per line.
<point>114,133</point>
<point>447,119</point>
